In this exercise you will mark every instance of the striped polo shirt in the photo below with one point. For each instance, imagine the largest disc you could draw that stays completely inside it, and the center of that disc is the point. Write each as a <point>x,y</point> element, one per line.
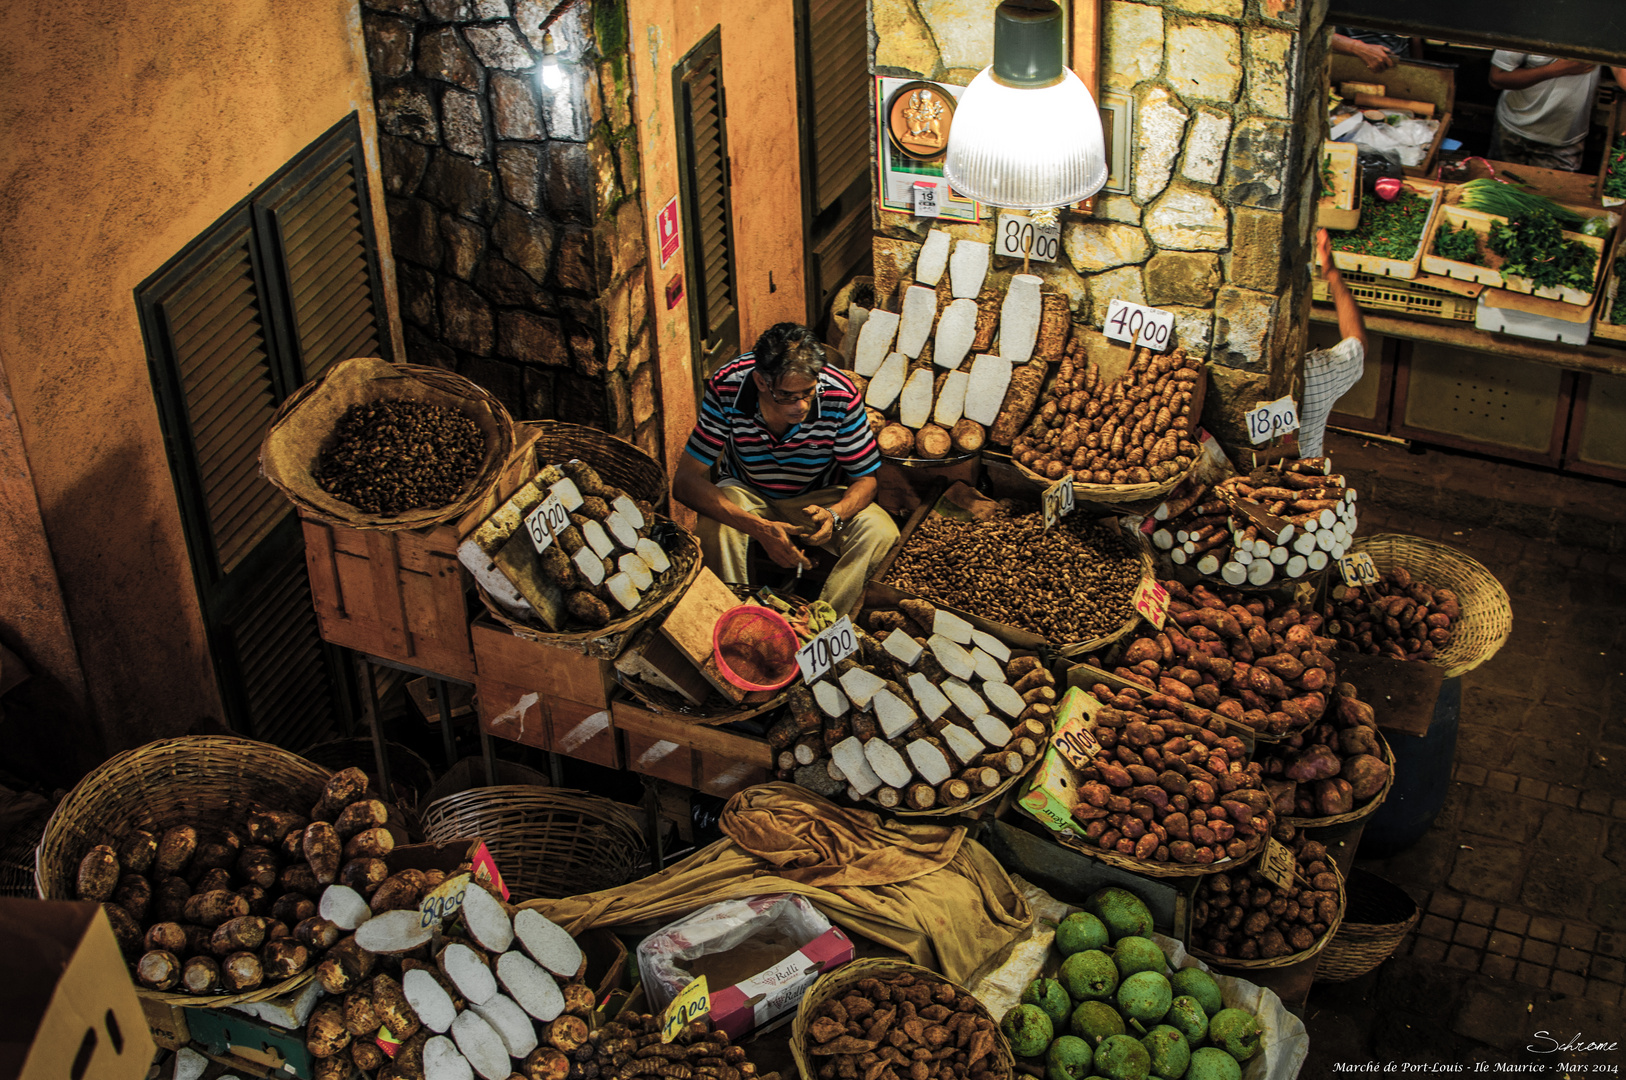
<point>833,439</point>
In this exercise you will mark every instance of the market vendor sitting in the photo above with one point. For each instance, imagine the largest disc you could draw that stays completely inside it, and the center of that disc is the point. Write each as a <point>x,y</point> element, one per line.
<point>795,463</point>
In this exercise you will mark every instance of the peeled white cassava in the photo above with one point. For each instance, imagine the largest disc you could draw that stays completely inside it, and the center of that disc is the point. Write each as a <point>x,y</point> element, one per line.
<point>548,943</point>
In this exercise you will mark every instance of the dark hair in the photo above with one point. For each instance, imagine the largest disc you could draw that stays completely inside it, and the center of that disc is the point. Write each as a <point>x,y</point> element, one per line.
<point>788,348</point>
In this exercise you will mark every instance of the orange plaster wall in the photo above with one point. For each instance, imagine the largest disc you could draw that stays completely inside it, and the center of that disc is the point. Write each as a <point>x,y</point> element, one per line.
<point>759,78</point>
<point>129,129</point>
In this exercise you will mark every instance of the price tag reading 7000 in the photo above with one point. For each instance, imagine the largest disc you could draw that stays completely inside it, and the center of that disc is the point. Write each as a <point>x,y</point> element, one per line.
<point>830,648</point>
<point>1057,502</point>
<point>692,1002</point>
<point>1137,325</point>
<point>545,522</point>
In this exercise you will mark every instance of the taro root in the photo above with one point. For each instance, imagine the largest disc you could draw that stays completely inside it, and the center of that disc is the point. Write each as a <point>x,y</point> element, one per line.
<point>98,873</point>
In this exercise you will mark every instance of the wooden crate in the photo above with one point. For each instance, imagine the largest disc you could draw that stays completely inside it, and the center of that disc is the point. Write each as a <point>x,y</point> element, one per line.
<point>1340,207</point>
<point>1411,80</point>
<point>1476,401</point>
<point>554,672</point>
<point>1396,268</point>
<point>1617,124</point>
<point>710,759</point>
<point>401,596</point>
<point>524,715</point>
<point>1460,218</point>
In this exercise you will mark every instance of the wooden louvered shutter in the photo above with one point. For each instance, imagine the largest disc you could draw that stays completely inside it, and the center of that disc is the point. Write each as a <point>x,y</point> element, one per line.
<point>708,225</point>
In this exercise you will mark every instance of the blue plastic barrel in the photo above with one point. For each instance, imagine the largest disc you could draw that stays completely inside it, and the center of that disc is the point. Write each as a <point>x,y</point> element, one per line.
<point>1423,766</point>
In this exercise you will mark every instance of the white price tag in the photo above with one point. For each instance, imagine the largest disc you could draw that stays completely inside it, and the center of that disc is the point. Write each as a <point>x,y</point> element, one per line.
<point>548,519</point>
<point>1358,569</point>
<point>1137,325</point>
<point>1017,235</point>
<point>1269,421</point>
<point>1057,502</point>
<point>926,200</point>
<point>830,648</point>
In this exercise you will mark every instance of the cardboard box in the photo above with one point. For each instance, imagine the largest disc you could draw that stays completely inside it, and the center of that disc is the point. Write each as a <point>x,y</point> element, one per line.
<point>166,1023</point>
<point>68,1008</point>
<point>279,1051</point>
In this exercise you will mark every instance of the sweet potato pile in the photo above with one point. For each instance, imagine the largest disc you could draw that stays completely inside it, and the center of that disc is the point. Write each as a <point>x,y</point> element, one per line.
<point>1331,768</point>
<point>1241,914</point>
<point>1397,616</point>
<point>1133,431</point>
<point>904,1027</point>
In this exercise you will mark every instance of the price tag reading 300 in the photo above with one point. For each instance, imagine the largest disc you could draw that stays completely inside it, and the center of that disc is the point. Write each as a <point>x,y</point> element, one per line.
<point>830,648</point>
<point>1137,325</point>
<point>545,522</point>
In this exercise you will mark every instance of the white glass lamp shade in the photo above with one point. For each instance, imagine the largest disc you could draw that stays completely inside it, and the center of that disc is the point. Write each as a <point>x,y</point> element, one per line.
<point>1025,148</point>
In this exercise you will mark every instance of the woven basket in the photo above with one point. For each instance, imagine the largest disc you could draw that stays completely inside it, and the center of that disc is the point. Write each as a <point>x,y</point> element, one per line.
<point>836,984</point>
<point>1487,614</point>
<point>1109,494</point>
<point>1379,917</point>
<point>616,460</point>
<point>1365,810</point>
<point>548,842</point>
<point>608,640</point>
<point>1153,868</point>
<point>1231,963</point>
<point>197,780</point>
<point>289,451</point>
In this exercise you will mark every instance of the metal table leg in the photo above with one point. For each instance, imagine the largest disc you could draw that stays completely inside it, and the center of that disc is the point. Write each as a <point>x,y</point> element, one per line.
<point>369,705</point>
<point>652,825</point>
<point>489,751</point>
<point>447,738</point>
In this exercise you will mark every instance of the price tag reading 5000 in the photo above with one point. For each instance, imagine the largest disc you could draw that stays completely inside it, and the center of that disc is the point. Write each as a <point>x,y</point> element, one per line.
<point>545,522</point>
<point>1137,325</point>
<point>827,650</point>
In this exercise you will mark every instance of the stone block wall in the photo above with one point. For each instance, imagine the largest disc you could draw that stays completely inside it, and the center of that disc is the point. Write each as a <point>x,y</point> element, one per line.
<point>1215,226</point>
<point>514,211</point>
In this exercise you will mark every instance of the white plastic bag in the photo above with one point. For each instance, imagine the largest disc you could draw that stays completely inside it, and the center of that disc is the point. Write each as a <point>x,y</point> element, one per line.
<point>1407,139</point>
<point>665,956</point>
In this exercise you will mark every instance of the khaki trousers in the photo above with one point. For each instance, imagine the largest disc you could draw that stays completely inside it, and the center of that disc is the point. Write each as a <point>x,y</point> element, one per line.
<point>859,546</point>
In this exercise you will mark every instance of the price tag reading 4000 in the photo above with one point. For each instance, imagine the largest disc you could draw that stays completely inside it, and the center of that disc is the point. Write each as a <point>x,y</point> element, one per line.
<point>1137,325</point>
<point>1358,569</point>
<point>830,648</point>
<point>692,1002</point>
<point>545,522</point>
<point>1277,864</point>
<point>1057,502</point>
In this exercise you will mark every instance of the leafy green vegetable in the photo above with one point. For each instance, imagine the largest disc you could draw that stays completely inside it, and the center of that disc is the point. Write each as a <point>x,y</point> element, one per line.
<point>1505,200</point>
<point>1388,230</point>
<point>1617,314</point>
<point>1326,174</point>
<point>1459,245</point>
<point>1597,226</point>
<point>1614,184</point>
<point>1534,247</point>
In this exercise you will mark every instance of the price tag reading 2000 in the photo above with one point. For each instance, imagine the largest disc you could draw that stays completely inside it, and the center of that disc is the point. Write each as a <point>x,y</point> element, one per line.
<point>1137,325</point>
<point>830,648</point>
<point>545,522</point>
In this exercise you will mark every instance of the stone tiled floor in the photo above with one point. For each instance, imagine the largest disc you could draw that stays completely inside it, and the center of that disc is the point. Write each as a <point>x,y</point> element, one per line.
<point>1522,879</point>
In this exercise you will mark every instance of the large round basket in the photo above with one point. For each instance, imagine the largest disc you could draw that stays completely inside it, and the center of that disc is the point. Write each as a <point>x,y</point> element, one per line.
<point>683,550</point>
<point>1153,868</point>
<point>304,425</point>
<point>196,780</point>
<point>1366,809</point>
<point>837,983</point>
<point>1487,614</point>
<point>1379,917</point>
<point>548,842</point>
<point>616,460</point>
<point>1231,963</point>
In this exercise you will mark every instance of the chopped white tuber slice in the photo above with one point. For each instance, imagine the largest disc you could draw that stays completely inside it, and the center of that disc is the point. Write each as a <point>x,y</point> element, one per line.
<point>548,943</point>
<point>965,746</point>
<point>1340,530</point>
<point>1242,556</point>
<point>927,696</point>
<point>624,589</point>
<point>344,907</point>
<point>468,973</point>
<point>915,403</point>
<point>967,267</point>
<point>1208,565</point>
<point>597,539</point>
<point>1261,549</point>
<point>1316,560</point>
<point>956,331</point>
<point>874,342</point>
<point>1288,531</point>
<point>629,511</point>
<point>1338,549</point>
<point>1019,319</point>
<point>933,258</point>
<point>633,565</point>
<point>433,1004</point>
<point>967,700</point>
<point>1298,564</point>
<point>1005,698</point>
<point>590,564</point>
<point>902,646</point>
<point>985,393</point>
<point>892,713</point>
<point>955,660</point>
<point>1234,573</point>
<point>832,702</point>
<point>391,932</point>
<point>1261,571</point>
<point>481,1046</point>
<point>887,382</point>
<point>1178,557</point>
<point>1327,518</point>
<point>1162,540</point>
<point>622,531</point>
<point>1304,543</point>
<point>888,763</point>
<point>511,1023</point>
<point>987,668</point>
<point>189,1064</point>
<point>654,555</point>
<point>1278,555</point>
<point>443,1061</point>
<point>489,925</point>
<point>1326,539</point>
<point>915,324</point>
<point>861,685</point>
<point>848,754</point>
<point>1310,525</point>
<point>951,401</point>
<point>991,730</point>
<point>930,763</point>
<point>568,494</point>
<point>991,645</point>
<point>951,626</point>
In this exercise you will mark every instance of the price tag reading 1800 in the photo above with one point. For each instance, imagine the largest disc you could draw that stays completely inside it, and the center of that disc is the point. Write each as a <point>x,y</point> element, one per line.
<point>545,522</point>
<point>830,648</point>
<point>1277,863</point>
<point>1277,418</point>
<point>1057,502</point>
<point>1137,325</point>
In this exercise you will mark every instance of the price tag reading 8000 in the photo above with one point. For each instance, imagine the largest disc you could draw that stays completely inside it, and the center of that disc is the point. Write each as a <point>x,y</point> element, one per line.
<point>1057,502</point>
<point>830,648</point>
<point>1018,236</point>
<point>545,522</point>
<point>1137,325</point>
<point>1277,864</point>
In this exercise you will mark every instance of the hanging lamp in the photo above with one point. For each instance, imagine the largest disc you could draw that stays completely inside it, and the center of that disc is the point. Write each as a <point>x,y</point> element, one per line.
<point>1026,132</point>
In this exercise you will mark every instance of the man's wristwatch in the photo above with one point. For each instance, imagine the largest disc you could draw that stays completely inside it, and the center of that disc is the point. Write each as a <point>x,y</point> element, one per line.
<point>835,519</point>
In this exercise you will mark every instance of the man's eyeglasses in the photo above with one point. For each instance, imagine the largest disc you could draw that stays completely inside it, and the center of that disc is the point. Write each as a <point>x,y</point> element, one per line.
<point>794,399</point>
